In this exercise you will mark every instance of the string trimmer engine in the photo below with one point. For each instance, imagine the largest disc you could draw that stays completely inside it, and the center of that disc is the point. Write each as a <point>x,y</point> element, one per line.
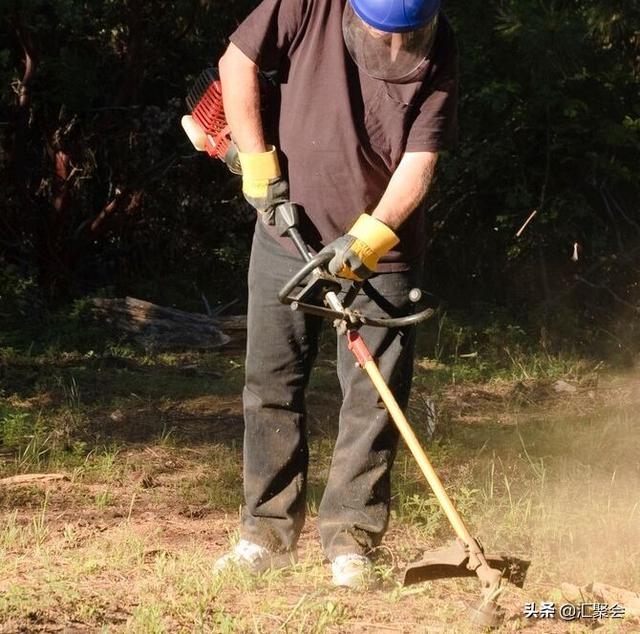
<point>207,126</point>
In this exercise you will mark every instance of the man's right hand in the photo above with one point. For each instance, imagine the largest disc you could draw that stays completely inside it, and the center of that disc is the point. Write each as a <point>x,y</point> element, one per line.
<point>262,183</point>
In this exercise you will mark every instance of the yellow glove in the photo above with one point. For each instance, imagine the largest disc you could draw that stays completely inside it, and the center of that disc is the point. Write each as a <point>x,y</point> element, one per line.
<point>357,253</point>
<point>262,183</point>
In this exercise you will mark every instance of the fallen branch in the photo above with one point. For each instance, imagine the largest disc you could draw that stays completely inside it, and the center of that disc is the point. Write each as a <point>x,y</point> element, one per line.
<point>158,326</point>
<point>33,478</point>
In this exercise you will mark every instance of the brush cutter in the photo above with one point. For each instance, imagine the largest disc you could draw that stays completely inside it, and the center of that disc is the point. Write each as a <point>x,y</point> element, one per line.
<point>313,290</point>
<point>465,557</point>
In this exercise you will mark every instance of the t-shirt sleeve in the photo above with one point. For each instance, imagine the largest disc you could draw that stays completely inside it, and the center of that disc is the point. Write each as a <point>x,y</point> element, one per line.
<point>265,36</point>
<point>435,127</point>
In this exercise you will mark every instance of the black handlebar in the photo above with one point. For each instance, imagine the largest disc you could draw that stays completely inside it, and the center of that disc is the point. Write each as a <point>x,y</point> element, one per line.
<point>315,262</point>
<point>398,322</point>
<point>351,316</point>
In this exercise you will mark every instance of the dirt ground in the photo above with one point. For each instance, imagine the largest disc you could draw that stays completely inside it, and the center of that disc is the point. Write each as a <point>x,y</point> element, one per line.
<point>126,540</point>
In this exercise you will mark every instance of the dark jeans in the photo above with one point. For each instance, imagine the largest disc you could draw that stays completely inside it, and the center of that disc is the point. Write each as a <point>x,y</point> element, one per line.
<point>281,348</point>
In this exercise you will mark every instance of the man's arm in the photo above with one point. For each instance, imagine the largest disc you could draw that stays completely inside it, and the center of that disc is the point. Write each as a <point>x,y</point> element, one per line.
<point>241,97</point>
<point>372,236</point>
<point>408,186</point>
<point>262,183</point>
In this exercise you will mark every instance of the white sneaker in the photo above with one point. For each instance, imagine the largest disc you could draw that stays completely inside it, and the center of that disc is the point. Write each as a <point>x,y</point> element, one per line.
<point>254,558</point>
<point>352,571</point>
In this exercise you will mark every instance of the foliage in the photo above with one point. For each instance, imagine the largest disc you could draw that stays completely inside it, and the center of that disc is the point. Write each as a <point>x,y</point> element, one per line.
<point>103,188</point>
<point>549,122</point>
<point>15,428</point>
<point>104,193</point>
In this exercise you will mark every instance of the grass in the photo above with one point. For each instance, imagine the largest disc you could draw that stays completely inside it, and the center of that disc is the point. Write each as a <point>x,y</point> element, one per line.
<point>151,446</point>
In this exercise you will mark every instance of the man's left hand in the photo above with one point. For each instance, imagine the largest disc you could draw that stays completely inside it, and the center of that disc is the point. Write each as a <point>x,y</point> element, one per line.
<point>357,252</point>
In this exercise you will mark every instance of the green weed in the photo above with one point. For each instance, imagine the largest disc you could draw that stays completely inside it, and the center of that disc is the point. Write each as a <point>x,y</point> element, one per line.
<point>147,619</point>
<point>71,393</point>
<point>11,533</point>
<point>166,438</point>
<point>14,428</point>
<point>34,456</point>
<point>103,499</point>
<point>39,528</point>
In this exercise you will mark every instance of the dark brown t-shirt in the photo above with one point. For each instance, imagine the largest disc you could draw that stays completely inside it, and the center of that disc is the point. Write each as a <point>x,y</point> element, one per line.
<point>341,133</point>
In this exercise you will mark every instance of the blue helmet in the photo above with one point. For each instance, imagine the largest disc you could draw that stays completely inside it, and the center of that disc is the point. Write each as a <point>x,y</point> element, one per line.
<point>390,39</point>
<point>397,16</point>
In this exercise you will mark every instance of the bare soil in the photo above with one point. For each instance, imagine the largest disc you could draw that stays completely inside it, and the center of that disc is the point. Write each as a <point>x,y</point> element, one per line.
<point>127,543</point>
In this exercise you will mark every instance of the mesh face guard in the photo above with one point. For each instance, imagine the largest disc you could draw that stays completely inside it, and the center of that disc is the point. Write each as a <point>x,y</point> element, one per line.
<point>383,55</point>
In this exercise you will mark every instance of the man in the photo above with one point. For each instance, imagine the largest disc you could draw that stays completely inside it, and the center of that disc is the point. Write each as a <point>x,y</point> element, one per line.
<point>367,100</point>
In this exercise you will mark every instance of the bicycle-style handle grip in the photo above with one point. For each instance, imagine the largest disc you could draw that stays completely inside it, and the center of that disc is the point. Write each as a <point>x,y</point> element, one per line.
<point>315,262</point>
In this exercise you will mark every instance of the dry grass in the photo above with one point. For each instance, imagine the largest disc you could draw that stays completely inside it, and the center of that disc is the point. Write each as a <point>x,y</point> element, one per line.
<point>127,543</point>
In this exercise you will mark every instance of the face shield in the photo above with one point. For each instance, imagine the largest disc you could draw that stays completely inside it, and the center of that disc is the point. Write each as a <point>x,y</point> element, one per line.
<point>385,55</point>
